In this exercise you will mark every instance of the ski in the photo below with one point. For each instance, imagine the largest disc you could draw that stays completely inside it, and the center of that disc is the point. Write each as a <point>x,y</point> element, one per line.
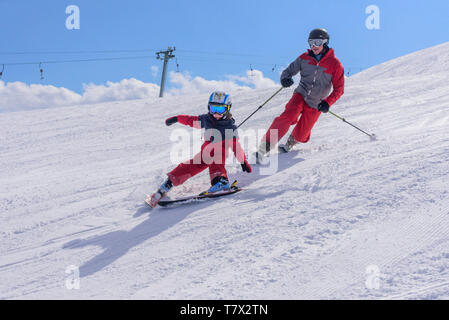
<point>201,197</point>
<point>194,199</point>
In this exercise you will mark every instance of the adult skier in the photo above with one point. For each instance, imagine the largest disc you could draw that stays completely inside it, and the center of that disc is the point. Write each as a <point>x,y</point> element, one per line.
<point>220,135</point>
<point>320,70</point>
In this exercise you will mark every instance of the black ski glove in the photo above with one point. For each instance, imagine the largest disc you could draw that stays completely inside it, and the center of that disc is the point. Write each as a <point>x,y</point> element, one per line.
<point>323,106</point>
<point>171,121</point>
<point>246,167</point>
<point>287,82</point>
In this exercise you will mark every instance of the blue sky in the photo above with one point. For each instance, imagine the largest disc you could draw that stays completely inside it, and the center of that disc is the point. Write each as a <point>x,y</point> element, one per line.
<point>213,38</point>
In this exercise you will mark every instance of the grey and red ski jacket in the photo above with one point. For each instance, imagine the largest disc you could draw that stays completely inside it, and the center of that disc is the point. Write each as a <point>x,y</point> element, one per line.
<point>318,77</point>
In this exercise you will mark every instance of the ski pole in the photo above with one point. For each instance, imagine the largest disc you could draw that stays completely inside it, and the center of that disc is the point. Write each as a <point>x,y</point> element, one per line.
<point>260,107</point>
<point>372,136</point>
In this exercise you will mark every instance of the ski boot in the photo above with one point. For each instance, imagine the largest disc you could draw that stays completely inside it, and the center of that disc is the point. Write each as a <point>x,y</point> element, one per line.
<point>284,148</point>
<point>159,194</point>
<point>218,184</point>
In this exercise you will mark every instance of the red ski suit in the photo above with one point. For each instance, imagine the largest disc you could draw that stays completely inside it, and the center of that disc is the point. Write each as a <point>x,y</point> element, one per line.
<point>317,80</point>
<point>212,155</point>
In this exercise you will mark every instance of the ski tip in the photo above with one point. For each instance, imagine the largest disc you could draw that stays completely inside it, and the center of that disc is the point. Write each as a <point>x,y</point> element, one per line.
<point>148,204</point>
<point>153,200</point>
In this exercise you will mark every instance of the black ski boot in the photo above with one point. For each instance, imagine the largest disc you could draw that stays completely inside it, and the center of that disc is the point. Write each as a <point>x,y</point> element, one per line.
<point>284,148</point>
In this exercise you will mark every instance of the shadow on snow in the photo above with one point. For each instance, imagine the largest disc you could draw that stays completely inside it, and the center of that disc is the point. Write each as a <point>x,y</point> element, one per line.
<point>117,243</point>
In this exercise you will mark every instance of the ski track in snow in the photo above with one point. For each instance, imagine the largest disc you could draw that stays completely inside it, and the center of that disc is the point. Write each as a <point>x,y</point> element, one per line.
<point>73,181</point>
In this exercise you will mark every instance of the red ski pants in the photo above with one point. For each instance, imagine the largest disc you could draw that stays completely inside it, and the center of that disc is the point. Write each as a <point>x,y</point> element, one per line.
<point>200,162</point>
<point>294,108</point>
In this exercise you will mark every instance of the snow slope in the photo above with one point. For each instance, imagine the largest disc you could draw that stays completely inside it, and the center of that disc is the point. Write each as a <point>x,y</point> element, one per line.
<point>73,180</point>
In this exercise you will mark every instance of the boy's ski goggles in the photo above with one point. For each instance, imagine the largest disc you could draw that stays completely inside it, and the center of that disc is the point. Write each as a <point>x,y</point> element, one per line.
<point>317,42</point>
<point>218,108</point>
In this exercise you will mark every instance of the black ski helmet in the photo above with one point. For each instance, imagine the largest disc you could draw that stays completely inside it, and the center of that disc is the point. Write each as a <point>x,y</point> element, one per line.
<point>319,34</point>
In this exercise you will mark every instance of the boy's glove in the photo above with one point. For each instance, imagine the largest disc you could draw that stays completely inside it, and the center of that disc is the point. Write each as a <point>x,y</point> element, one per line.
<point>171,121</point>
<point>246,167</point>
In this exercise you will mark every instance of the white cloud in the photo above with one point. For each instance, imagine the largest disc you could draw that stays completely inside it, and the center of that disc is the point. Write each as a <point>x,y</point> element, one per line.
<point>187,85</point>
<point>19,96</point>
<point>255,78</point>
<point>126,89</point>
<point>15,96</point>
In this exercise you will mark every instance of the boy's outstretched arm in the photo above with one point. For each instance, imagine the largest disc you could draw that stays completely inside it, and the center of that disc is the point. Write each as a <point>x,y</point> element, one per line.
<point>240,155</point>
<point>191,121</point>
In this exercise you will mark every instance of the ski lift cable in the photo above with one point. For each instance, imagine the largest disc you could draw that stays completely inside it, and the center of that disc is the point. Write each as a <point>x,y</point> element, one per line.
<point>79,60</point>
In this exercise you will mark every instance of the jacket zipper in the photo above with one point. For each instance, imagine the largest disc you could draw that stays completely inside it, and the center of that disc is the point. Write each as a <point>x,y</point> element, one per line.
<point>314,80</point>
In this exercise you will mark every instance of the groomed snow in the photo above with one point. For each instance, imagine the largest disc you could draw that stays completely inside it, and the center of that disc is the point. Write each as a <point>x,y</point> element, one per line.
<point>73,181</point>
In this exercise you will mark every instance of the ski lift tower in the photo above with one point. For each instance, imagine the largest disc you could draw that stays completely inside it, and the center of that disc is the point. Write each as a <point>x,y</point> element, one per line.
<point>168,54</point>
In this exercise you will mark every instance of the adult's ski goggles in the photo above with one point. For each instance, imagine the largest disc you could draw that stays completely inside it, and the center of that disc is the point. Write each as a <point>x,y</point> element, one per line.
<point>218,108</point>
<point>317,42</point>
